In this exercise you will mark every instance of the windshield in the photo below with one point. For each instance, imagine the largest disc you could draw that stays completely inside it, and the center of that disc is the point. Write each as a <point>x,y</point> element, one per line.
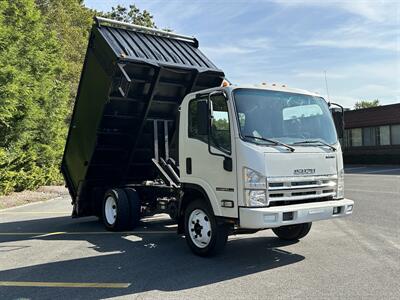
<point>285,117</point>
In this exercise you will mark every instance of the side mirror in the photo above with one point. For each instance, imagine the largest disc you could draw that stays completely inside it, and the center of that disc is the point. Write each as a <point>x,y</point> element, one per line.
<point>338,119</point>
<point>202,117</point>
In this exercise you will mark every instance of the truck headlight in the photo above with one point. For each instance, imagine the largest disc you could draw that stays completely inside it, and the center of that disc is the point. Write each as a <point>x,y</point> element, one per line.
<point>253,179</point>
<point>340,185</point>
<point>255,197</point>
<point>255,185</point>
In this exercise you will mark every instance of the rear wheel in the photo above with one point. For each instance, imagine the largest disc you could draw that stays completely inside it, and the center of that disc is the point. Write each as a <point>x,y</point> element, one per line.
<point>204,235</point>
<point>116,210</point>
<point>292,232</point>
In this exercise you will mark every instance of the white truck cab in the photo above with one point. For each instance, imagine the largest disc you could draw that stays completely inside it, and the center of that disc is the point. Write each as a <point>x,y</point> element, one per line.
<point>260,157</point>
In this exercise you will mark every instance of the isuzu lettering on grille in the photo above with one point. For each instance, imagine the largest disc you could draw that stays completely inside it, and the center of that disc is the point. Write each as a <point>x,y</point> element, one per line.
<point>303,171</point>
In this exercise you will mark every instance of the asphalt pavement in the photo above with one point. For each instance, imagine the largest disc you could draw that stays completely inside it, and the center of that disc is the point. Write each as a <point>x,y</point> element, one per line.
<point>44,254</point>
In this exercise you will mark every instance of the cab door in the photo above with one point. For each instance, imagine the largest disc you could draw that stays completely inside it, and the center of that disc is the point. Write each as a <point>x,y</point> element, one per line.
<point>207,159</point>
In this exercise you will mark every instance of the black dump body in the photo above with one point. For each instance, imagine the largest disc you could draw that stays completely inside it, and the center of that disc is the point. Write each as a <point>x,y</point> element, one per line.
<point>131,77</point>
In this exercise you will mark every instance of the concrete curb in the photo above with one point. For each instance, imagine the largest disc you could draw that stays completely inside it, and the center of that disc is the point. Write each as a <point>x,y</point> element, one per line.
<point>31,204</point>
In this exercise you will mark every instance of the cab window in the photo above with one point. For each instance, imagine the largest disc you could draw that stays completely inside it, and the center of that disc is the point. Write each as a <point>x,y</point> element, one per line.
<point>220,126</point>
<point>193,131</point>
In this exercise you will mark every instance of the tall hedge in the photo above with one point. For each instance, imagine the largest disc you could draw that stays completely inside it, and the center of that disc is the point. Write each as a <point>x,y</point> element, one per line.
<point>42,47</point>
<point>32,98</point>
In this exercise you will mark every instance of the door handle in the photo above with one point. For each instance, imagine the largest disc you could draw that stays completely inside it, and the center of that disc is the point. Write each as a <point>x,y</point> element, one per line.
<point>188,165</point>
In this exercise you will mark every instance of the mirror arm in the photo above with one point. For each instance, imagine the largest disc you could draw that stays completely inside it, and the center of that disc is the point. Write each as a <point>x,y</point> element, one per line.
<point>216,93</point>
<point>341,108</point>
<point>342,111</point>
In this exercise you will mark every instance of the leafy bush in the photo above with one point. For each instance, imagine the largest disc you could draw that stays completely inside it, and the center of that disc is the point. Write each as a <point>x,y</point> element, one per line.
<point>33,98</point>
<point>42,48</point>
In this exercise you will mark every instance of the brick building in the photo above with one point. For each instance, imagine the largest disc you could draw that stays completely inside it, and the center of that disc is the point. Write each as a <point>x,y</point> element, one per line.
<point>372,135</point>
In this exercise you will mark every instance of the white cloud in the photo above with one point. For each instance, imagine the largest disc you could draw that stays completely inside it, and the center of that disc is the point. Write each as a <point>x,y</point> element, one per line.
<point>373,24</point>
<point>348,84</point>
<point>357,35</point>
<point>238,47</point>
<point>222,50</point>
<point>374,10</point>
<point>384,11</point>
<point>317,74</point>
<point>348,43</point>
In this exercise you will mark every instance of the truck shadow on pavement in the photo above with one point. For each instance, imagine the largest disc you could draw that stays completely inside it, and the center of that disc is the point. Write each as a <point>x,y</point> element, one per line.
<point>148,260</point>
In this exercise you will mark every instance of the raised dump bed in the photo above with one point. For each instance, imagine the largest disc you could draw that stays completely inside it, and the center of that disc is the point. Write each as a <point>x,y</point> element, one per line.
<point>133,81</point>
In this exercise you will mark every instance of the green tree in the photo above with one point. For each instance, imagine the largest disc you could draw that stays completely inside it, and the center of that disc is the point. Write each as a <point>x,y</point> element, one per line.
<point>71,21</point>
<point>32,98</point>
<point>366,104</point>
<point>131,15</point>
<point>42,49</point>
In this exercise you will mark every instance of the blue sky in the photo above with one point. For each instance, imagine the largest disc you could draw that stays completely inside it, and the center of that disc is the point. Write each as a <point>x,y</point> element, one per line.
<point>293,42</point>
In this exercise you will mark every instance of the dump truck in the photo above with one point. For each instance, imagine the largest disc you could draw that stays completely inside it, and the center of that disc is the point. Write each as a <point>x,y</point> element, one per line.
<point>157,128</point>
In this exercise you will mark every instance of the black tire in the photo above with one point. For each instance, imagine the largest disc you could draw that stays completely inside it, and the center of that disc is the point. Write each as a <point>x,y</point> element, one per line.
<point>292,232</point>
<point>135,207</point>
<point>219,232</point>
<point>122,209</point>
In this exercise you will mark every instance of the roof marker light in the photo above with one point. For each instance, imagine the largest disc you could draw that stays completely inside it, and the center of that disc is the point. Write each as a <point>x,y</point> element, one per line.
<point>225,83</point>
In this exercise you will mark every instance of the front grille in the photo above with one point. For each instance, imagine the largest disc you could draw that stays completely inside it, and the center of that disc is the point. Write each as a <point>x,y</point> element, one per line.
<point>275,184</point>
<point>276,195</point>
<point>304,193</point>
<point>282,203</point>
<point>295,190</point>
<point>301,183</point>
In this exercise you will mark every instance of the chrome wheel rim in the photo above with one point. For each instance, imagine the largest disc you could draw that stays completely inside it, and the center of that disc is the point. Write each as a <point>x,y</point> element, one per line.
<point>110,210</point>
<point>199,228</point>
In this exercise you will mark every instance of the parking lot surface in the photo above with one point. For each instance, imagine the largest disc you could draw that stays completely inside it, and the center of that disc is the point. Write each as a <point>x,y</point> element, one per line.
<point>44,254</point>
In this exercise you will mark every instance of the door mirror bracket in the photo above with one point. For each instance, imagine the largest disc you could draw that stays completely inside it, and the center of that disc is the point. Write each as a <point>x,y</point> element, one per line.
<point>338,118</point>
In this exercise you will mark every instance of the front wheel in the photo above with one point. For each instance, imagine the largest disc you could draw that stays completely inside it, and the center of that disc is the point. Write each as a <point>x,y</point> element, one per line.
<point>204,235</point>
<point>292,232</point>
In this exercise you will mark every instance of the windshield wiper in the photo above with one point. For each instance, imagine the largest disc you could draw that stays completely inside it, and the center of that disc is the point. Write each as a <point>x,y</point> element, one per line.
<point>314,142</point>
<point>271,141</point>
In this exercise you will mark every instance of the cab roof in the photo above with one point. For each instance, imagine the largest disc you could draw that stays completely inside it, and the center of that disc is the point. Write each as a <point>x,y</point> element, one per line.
<point>267,87</point>
<point>273,87</point>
